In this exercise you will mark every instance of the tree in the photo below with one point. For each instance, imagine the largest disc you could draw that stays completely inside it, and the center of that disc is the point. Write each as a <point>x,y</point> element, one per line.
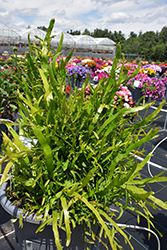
<point>159,52</point>
<point>132,34</point>
<point>147,41</point>
<point>75,32</point>
<point>131,46</point>
<point>118,37</point>
<point>42,28</point>
<point>86,32</point>
<point>163,34</point>
<point>102,33</point>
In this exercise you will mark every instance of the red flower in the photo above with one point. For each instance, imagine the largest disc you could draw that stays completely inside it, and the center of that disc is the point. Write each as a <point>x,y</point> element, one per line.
<point>68,90</point>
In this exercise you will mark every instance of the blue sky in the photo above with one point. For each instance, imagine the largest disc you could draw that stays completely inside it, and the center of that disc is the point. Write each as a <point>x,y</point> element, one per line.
<point>124,15</point>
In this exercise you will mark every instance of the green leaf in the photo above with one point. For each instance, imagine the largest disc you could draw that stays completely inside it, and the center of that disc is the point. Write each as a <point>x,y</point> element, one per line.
<point>32,65</point>
<point>150,117</point>
<point>33,109</point>
<point>87,178</point>
<point>135,145</point>
<point>149,180</point>
<point>159,202</point>
<point>66,220</point>
<point>46,148</point>
<point>5,176</point>
<point>55,230</point>
<point>47,87</point>
<point>60,44</point>
<point>65,165</point>
<point>112,222</point>
<point>140,166</point>
<point>138,193</point>
<point>110,186</point>
<point>68,57</point>
<point>99,218</point>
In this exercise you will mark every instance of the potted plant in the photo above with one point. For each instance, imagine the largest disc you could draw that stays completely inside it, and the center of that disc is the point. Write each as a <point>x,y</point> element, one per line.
<point>153,87</point>
<point>81,157</point>
<point>8,90</point>
<point>77,75</point>
<point>148,87</point>
<point>8,94</point>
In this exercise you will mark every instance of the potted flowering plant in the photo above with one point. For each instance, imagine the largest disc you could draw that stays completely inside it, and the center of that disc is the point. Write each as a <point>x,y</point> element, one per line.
<point>153,87</point>
<point>8,95</point>
<point>148,87</point>
<point>77,75</point>
<point>8,90</point>
<point>9,86</point>
<point>81,159</point>
<point>147,70</point>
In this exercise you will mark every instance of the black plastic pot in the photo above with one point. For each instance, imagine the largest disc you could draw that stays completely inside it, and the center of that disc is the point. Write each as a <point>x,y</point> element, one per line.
<point>43,240</point>
<point>137,94</point>
<point>74,83</point>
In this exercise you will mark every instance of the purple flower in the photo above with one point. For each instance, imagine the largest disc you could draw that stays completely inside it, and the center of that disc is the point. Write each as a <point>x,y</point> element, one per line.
<point>154,87</point>
<point>80,72</point>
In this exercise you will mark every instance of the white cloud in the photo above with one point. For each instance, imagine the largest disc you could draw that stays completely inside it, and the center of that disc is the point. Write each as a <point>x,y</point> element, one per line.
<point>3,14</point>
<point>25,11</point>
<point>124,15</point>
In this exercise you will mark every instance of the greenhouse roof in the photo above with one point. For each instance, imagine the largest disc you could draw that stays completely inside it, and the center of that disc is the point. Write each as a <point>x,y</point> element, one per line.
<point>33,32</point>
<point>84,40</point>
<point>104,41</point>
<point>67,38</point>
<point>6,33</point>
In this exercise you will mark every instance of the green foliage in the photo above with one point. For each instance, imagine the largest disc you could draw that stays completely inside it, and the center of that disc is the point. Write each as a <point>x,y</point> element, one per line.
<point>8,95</point>
<point>82,155</point>
<point>75,32</point>
<point>13,67</point>
<point>151,44</point>
<point>42,28</point>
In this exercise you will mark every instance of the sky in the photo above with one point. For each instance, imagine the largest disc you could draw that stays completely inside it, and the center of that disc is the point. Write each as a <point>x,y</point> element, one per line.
<point>120,15</point>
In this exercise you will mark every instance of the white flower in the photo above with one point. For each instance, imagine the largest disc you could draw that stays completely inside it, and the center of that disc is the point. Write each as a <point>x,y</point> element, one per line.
<point>136,83</point>
<point>95,78</point>
<point>86,60</point>
<point>108,69</point>
<point>126,105</point>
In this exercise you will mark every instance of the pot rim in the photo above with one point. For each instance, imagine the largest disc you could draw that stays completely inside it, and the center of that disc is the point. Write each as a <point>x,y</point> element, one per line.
<point>13,210</point>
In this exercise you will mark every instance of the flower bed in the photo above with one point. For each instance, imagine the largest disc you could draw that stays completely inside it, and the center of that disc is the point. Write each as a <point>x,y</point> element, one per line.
<point>152,78</point>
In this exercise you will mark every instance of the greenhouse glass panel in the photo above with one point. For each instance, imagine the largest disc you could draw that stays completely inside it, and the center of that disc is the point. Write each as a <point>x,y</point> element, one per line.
<point>84,41</point>
<point>67,39</point>
<point>33,32</point>
<point>8,34</point>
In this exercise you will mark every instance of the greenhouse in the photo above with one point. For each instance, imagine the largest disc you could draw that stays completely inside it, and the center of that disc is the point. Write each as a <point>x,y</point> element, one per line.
<point>84,41</point>
<point>68,40</point>
<point>83,45</point>
<point>33,33</point>
<point>104,42</point>
<point>8,35</point>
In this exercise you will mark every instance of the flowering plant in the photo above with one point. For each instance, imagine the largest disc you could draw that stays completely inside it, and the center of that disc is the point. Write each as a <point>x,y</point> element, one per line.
<point>101,73</point>
<point>13,67</point>
<point>79,72</point>
<point>123,97</point>
<point>8,96</point>
<point>148,71</point>
<point>153,87</point>
<point>90,64</point>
